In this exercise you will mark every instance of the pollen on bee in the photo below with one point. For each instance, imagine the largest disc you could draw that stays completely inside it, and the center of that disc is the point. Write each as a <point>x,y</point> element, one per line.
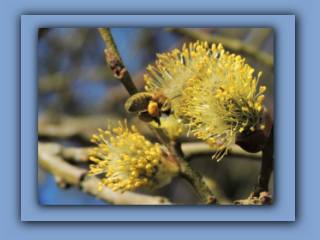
<point>153,109</point>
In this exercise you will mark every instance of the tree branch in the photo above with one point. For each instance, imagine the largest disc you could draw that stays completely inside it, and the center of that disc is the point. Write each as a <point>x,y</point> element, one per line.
<point>115,62</point>
<point>266,167</point>
<point>194,178</point>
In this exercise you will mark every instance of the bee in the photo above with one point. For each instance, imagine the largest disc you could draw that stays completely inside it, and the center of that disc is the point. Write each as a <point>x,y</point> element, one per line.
<point>149,105</point>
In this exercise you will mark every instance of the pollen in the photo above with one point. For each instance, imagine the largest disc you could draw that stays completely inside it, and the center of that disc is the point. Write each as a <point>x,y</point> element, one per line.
<point>129,161</point>
<point>153,109</point>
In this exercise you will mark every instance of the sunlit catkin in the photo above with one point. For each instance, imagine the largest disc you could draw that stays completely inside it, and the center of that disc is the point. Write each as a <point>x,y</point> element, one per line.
<point>129,161</point>
<point>221,100</point>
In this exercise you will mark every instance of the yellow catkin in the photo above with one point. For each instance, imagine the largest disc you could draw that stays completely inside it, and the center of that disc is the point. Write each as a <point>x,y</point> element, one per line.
<point>219,97</point>
<point>217,92</point>
<point>126,162</point>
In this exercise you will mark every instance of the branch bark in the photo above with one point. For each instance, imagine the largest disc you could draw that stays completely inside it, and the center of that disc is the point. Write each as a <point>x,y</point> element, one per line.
<point>115,62</point>
<point>266,167</point>
<point>193,177</point>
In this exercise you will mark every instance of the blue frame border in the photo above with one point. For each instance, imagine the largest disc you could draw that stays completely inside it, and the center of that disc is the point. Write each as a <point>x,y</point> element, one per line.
<point>282,210</point>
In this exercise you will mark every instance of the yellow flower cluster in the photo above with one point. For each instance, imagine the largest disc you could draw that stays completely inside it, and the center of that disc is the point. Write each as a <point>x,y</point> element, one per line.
<point>218,93</point>
<point>221,100</point>
<point>129,160</point>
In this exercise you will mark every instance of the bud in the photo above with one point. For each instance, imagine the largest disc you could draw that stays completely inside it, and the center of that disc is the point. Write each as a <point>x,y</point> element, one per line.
<point>255,141</point>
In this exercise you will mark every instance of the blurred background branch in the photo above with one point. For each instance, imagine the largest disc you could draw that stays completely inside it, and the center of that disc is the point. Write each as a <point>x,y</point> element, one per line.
<point>257,36</point>
<point>191,149</point>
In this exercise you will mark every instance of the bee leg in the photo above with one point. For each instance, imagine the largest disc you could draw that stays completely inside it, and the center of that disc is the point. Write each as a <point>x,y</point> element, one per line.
<point>145,117</point>
<point>157,120</point>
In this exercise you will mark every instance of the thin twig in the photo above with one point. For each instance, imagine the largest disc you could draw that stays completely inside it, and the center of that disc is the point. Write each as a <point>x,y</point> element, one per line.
<point>115,62</point>
<point>233,44</point>
<point>108,39</point>
<point>194,178</point>
<point>67,175</point>
<point>266,167</point>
